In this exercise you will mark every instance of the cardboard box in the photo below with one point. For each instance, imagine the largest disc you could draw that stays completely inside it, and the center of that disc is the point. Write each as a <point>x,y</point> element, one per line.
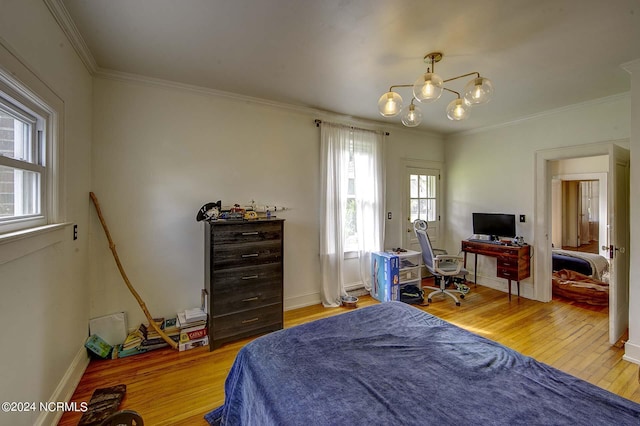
<point>385,276</point>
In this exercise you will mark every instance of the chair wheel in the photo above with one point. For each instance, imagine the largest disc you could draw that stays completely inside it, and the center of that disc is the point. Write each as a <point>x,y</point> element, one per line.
<point>428,300</point>
<point>457,303</point>
<point>462,296</point>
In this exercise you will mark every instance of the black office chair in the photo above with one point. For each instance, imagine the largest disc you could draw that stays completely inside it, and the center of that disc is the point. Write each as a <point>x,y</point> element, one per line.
<point>446,269</point>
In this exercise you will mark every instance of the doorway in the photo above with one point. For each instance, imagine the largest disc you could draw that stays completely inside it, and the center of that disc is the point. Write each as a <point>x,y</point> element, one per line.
<point>617,224</point>
<point>579,205</point>
<point>421,200</point>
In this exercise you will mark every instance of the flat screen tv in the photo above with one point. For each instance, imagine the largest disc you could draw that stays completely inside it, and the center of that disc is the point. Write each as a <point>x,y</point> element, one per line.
<point>494,224</point>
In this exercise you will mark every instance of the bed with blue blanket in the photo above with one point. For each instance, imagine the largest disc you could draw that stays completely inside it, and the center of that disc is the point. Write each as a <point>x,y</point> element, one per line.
<point>394,364</point>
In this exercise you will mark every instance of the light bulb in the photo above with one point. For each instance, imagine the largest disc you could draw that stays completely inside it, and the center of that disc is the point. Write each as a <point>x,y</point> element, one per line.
<point>411,116</point>
<point>390,104</point>
<point>456,110</point>
<point>428,87</point>
<point>478,91</point>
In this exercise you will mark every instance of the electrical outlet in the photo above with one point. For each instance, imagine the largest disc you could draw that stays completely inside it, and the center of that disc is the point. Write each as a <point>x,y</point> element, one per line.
<point>389,215</point>
<point>75,232</point>
<point>522,218</point>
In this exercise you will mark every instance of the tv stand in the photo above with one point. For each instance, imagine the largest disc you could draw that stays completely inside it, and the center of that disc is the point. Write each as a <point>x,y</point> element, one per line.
<point>512,262</point>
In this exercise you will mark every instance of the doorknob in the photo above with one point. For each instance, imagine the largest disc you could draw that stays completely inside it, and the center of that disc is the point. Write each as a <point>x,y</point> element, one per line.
<point>611,249</point>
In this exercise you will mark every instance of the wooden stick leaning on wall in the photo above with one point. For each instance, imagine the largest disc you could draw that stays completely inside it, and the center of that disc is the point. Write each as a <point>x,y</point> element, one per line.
<point>112,246</point>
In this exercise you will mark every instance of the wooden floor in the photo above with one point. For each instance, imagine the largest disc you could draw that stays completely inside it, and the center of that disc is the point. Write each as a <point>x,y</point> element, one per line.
<point>590,247</point>
<point>177,388</point>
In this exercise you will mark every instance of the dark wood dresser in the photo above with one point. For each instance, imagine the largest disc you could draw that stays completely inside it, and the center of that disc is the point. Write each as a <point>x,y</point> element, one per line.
<point>244,276</point>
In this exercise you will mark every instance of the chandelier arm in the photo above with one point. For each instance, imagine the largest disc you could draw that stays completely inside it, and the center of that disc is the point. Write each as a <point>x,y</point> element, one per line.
<point>452,91</point>
<point>399,85</point>
<point>462,76</point>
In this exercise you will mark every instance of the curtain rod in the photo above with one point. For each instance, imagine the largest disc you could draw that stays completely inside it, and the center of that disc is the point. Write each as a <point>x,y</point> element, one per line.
<point>318,122</point>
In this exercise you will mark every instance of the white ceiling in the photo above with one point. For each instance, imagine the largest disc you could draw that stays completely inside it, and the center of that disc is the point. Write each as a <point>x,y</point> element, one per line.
<point>341,55</point>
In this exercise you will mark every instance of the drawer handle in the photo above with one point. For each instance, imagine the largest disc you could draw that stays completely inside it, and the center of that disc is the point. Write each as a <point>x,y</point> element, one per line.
<point>250,320</point>
<point>250,277</point>
<point>250,233</point>
<point>506,264</point>
<point>506,273</point>
<point>250,255</point>
<point>250,299</point>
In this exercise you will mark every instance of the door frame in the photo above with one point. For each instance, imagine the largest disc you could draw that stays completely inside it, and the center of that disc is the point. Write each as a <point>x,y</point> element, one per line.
<point>542,289</point>
<point>408,163</point>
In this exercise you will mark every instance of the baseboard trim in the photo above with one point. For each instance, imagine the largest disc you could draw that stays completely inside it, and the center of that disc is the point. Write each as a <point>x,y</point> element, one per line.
<point>302,301</point>
<point>631,352</point>
<point>66,387</point>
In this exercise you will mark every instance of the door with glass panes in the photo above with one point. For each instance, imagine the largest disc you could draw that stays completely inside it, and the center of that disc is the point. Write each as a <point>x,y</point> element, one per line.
<point>422,201</point>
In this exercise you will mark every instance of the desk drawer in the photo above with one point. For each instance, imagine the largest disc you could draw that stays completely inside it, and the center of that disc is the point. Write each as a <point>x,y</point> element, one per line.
<point>510,274</point>
<point>507,263</point>
<point>513,270</point>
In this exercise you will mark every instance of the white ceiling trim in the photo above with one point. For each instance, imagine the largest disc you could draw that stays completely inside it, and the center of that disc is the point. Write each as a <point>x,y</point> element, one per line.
<point>631,66</point>
<point>606,99</point>
<point>62,17</point>
<point>319,113</point>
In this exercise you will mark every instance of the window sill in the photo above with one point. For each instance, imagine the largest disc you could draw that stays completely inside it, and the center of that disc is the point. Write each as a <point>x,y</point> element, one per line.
<point>351,254</point>
<point>14,245</point>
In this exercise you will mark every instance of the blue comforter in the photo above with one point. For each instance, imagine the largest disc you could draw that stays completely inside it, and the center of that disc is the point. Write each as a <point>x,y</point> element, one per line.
<point>393,364</point>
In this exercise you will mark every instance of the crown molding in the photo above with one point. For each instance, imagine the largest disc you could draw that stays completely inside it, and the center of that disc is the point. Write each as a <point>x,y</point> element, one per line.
<point>64,20</point>
<point>535,116</point>
<point>631,66</point>
<point>300,109</point>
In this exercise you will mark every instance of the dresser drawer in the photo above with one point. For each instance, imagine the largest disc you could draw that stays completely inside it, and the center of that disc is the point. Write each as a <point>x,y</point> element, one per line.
<point>230,300</point>
<point>246,233</point>
<point>240,255</point>
<point>244,322</point>
<point>233,278</point>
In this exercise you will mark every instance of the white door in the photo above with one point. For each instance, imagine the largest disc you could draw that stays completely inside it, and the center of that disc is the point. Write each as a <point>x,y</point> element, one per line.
<point>618,243</point>
<point>422,201</point>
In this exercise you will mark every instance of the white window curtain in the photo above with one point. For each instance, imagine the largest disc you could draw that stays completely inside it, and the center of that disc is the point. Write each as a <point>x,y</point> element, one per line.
<point>356,154</point>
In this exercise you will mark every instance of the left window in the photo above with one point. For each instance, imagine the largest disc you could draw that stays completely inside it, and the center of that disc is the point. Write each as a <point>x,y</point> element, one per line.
<point>22,165</point>
<point>26,174</point>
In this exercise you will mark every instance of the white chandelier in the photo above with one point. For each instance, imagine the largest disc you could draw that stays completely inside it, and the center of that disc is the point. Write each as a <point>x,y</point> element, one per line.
<point>428,88</point>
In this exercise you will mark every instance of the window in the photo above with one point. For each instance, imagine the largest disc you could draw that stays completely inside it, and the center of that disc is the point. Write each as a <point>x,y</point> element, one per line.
<point>422,197</point>
<point>22,164</point>
<point>351,218</point>
<point>351,204</point>
<point>28,188</point>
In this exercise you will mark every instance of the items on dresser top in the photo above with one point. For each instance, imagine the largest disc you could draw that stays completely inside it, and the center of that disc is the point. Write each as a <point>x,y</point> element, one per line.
<point>244,278</point>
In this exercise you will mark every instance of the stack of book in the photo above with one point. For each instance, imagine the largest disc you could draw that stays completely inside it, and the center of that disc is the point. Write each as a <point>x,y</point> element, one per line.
<point>145,338</point>
<point>193,329</point>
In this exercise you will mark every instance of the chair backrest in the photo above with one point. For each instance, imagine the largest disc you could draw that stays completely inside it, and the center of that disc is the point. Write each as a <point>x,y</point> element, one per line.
<point>420,229</point>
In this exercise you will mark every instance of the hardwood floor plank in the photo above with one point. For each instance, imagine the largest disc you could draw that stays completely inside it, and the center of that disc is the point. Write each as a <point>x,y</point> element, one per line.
<point>178,388</point>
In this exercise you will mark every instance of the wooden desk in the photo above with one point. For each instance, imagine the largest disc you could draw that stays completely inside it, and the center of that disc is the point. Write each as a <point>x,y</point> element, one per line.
<point>513,262</point>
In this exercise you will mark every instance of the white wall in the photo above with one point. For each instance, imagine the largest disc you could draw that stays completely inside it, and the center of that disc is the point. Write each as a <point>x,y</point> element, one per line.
<point>161,152</point>
<point>493,170</point>
<point>44,295</point>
